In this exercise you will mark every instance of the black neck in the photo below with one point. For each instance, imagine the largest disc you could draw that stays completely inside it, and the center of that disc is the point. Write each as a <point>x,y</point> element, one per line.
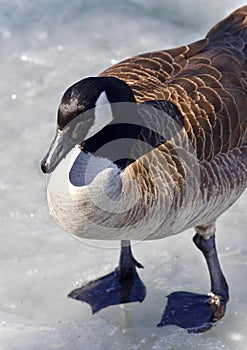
<point>128,125</point>
<point>107,142</point>
<point>125,124</point>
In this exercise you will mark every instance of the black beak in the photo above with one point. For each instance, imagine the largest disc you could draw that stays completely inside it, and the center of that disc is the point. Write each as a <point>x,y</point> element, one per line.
<point>60,147</point>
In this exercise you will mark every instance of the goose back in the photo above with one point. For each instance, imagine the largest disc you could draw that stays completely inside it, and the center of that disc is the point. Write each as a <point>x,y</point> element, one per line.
<point>206,80</point>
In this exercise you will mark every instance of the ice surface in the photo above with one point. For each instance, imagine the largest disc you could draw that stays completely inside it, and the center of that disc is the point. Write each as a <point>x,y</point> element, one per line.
<point>45,46</point>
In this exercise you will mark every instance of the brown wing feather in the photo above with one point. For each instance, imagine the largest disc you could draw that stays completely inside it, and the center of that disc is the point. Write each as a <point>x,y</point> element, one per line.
<point>206,80</point>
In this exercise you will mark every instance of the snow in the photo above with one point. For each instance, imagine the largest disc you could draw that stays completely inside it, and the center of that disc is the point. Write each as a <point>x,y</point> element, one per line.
<point>45,47</point>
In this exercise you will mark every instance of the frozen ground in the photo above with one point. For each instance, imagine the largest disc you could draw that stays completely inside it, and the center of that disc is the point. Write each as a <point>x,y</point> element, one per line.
<point>45,46</point>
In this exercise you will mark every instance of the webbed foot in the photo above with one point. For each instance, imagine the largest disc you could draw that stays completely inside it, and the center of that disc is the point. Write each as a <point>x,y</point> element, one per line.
<point>194,312</point>
<point>198,312</point>
<point>118,287</point>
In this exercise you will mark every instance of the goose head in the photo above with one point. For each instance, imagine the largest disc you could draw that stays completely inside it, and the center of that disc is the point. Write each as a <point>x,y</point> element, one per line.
<point>86,108</point>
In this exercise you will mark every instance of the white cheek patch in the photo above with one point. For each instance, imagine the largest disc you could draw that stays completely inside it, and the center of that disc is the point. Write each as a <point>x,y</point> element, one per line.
<point>102,114</point>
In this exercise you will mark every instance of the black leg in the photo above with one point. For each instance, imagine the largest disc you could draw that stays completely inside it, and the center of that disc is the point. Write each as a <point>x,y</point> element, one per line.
<point>120,286</point>
<point>196,312</point>
<point>218,282</point>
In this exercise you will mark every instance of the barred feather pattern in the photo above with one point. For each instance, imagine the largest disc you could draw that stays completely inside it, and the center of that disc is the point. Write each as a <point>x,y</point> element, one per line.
<point>206,80</point>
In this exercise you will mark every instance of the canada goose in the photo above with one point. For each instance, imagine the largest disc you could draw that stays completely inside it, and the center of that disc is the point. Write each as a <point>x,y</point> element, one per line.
<point>162,148</point>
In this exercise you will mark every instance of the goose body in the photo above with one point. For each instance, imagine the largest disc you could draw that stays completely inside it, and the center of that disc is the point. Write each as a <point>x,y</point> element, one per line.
<point>162,148</point>
<point>206,81</point>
